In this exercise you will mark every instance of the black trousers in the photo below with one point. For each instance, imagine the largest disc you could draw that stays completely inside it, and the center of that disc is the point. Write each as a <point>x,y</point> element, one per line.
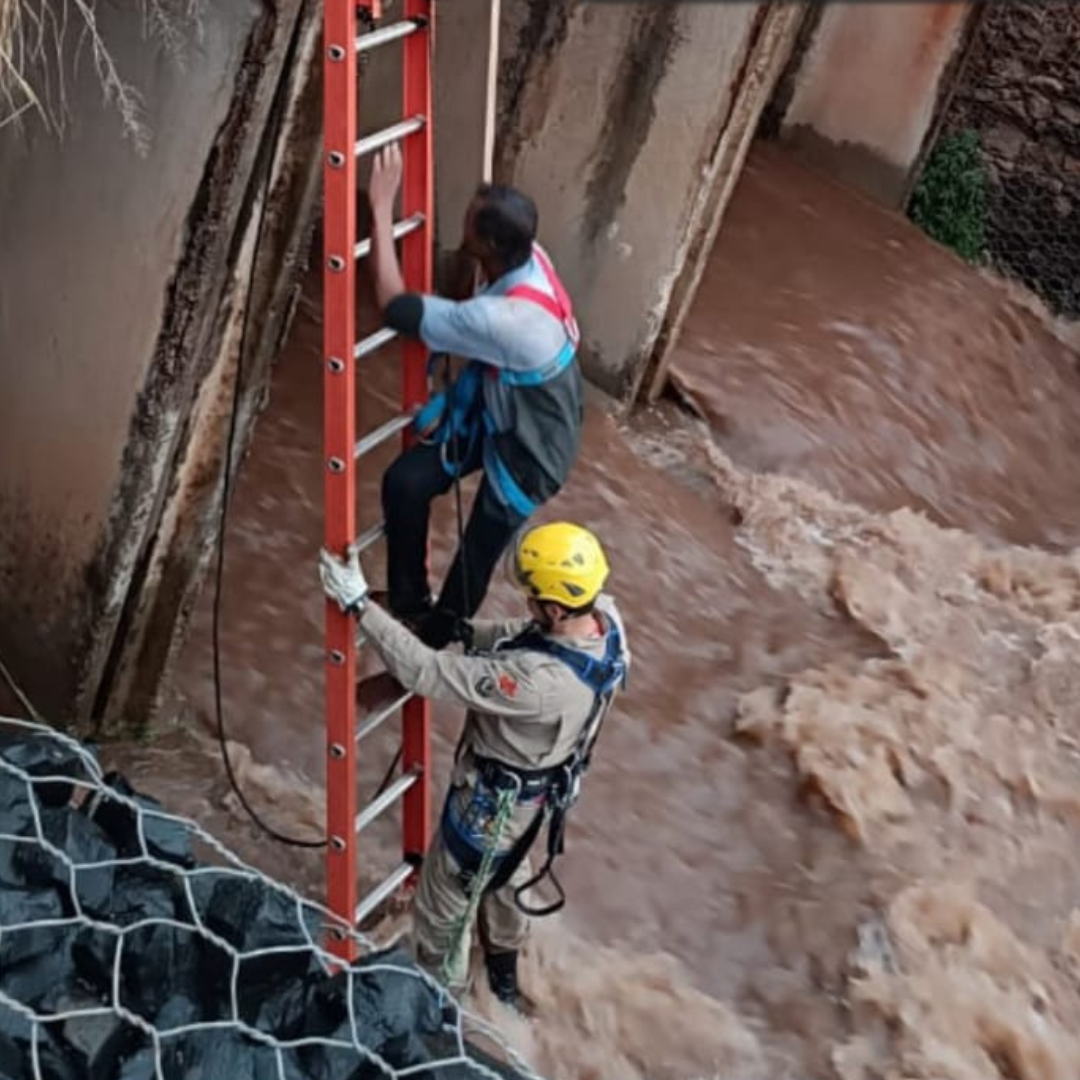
<point>410,484</point>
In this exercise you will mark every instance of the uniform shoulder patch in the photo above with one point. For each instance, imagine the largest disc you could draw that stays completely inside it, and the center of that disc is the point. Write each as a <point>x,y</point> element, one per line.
<point>508,685</point>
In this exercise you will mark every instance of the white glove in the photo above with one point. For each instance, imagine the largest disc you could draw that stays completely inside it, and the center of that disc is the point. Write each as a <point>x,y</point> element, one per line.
<point>343,581</point>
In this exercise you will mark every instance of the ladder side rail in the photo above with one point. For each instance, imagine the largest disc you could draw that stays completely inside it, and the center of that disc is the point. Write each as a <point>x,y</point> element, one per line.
<point>417,197</point>
<point>339,438</point>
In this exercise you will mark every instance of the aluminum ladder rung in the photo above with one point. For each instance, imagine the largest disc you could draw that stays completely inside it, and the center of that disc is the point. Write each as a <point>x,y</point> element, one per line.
<point>384,35</point>
<point>401,228</point>
<point>383,432</point>
<point>371,535</point>
<point>386,799</point>
<point>392,134</point>
<point>373,342</point>
<point>384,714</point>
<point>382,891</point>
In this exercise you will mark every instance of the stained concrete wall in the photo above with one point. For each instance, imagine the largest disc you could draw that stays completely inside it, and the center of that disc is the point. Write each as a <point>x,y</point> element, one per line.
<point>868,85</point>
<point>114,284</point>
<point>123,282</point>
<point>466,57</point>
<point>261,280</point>
<point>622,120</point>
<point>463,97</point>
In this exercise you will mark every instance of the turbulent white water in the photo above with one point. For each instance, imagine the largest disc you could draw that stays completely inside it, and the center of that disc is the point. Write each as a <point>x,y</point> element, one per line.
<point>833,827</point>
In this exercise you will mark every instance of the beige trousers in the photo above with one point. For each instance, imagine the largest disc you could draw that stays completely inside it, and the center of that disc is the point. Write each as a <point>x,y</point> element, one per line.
<point>442,902</point>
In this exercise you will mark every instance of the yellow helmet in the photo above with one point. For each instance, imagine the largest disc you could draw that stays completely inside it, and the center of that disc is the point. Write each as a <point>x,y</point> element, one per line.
<point>560,562</point>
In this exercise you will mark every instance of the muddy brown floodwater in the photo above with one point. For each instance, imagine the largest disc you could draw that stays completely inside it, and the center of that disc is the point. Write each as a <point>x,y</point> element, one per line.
<point>832,830</point>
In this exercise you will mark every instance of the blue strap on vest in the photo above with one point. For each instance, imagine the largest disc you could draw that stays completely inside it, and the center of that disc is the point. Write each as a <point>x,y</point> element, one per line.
<point>453,414</point>
<point>503,480</point>
<point>538,376</point>
<point>600,676</point>
<point>459,412</point>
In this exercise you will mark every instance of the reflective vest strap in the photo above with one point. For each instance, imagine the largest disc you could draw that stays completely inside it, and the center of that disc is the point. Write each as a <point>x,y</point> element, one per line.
<point>503,481</point>
<point>560,305</point>
<point>561,295</point>
<point>600,676</point>
<point>537,296</point>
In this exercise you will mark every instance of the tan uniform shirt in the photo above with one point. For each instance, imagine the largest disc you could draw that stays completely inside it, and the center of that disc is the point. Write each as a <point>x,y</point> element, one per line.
<point>525,708</point>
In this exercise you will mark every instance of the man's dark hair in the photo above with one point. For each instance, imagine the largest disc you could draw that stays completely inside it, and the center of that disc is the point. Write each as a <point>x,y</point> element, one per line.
<point>577,612</point>
<point>506,221</point>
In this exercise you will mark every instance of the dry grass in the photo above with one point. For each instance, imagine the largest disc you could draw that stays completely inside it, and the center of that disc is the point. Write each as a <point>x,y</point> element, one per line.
<point>42,41</point>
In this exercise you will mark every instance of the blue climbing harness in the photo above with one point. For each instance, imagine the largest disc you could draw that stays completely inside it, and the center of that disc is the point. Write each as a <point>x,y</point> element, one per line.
<point>456,419</point>
<point>553,790</point>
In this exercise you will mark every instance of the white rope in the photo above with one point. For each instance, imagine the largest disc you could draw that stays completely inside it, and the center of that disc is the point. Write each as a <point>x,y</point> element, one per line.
<point>305,913</point>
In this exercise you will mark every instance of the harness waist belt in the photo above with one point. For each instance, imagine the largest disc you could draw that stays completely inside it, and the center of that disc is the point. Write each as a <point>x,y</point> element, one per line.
<point>533,782</point>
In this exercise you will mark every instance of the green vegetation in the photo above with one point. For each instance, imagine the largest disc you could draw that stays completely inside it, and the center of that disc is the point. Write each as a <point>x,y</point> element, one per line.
<point>949,202</point>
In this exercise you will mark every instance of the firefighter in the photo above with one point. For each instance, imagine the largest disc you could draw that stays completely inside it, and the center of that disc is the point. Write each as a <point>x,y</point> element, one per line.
<point>536,692</point>
<point>515,411</point>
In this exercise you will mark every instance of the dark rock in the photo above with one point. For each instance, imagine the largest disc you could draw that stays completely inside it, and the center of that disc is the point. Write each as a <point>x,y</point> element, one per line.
<point>215,1055</point>
<point>1047,82</point>
<point>144,892</point>
<point>140,1066</point>
<point>27,906</point>
<point>15,1032</point>
<point>177,1012</point>
<point>10,878</point>
<point>16,813</point>
<point>82,843</point>
<point>98,1043</point>
<point>166,839</point>
<point>54,1061</point>
<point>160,962</point>
<point>40,981</point>
<point>282,994</point>
<point>1039,108</point>
<point>44,755</point>
<point>388,1004</point>
<point>1069,112</point>
<point>251,915</point>
<point>93,954</point>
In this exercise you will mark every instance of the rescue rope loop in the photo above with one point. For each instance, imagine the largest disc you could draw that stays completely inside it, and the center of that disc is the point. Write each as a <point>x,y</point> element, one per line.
<point>453,962</point>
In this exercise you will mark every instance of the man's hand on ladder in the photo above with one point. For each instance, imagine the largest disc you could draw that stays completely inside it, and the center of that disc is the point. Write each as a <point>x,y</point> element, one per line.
<point>343,580</point>
<point>385,178</point>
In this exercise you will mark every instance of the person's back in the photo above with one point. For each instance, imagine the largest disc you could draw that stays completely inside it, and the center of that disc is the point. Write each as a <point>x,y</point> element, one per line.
<point>522,327</point>
<point>515,411</point>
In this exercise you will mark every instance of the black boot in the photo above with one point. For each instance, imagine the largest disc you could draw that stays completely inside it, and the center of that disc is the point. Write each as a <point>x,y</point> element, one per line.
<point>503,980</point>
<point>440,628</point>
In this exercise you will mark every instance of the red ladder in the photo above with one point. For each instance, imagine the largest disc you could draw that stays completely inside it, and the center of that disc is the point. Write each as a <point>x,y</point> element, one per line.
<point>344,43</point>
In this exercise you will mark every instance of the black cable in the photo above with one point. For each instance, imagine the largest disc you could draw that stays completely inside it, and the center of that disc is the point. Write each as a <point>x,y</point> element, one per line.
<point>274,128</point>
<point>390,772</point>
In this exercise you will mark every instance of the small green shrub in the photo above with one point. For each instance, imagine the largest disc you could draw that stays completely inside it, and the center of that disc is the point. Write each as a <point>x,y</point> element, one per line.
<point>949,202</point>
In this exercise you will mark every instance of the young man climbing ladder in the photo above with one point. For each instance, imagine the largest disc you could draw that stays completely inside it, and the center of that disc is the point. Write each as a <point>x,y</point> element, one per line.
<point>536,693</point>
<point>515,411</point>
